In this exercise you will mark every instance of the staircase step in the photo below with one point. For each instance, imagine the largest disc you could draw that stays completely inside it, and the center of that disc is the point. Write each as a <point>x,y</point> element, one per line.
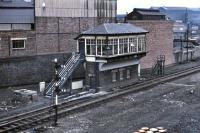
<point>65,72</point>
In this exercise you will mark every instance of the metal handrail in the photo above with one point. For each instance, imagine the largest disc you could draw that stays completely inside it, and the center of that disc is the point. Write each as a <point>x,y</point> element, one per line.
<point>65,72</point>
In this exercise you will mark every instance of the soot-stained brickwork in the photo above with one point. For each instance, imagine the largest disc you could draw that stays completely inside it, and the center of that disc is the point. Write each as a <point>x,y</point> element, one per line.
<point>6,45</point>
<point>28,69</point>
<point>159,41</point>
<point>51,36</point>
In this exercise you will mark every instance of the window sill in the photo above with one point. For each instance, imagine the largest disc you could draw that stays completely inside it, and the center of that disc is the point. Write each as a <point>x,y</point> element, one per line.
<point>18,48</point>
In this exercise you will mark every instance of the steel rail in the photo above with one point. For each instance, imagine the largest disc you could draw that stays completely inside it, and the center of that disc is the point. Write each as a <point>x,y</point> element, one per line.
<point>32,118</point>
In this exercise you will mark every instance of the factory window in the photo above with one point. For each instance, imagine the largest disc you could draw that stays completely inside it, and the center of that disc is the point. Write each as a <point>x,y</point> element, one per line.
<point>128,74</point>
<point>133,45</point>
<point>114,75</point>
<point>18,43</point>
<point>91,46</point>
<point>141,44</point>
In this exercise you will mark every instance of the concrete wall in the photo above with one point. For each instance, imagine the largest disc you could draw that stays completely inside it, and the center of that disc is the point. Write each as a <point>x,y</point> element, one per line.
<point>159,41</point>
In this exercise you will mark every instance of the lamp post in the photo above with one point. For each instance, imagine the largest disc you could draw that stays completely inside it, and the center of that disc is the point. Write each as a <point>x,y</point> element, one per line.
<point>56,105</point>
<point>56,91</point>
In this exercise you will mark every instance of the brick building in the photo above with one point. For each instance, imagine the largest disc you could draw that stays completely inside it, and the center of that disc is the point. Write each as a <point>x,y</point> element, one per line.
<point>31,28</point>
<point>48,26</point>
<point>145,14</point>
<point>159,39</point>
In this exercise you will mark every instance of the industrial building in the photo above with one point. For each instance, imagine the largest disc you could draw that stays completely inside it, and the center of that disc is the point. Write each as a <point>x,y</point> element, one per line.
<point>145,14</point>
<point>34,32</point>
<point>29,27</point>
<point>159,39</point>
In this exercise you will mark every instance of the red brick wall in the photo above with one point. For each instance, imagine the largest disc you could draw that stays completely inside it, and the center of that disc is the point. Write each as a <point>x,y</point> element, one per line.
<point>159,41</point>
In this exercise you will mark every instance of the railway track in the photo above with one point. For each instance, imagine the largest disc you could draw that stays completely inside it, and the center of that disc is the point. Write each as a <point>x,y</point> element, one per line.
<point>31,119</point>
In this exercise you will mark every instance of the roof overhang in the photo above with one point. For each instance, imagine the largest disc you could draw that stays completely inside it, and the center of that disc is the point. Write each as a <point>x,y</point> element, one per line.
<point>109,35</point>
<point>115,65</point>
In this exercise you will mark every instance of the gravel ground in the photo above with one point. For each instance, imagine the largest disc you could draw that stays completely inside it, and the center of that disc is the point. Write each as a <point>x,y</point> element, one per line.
<point>10,108</point>
<point>7,108</point>
<point>174,106</point>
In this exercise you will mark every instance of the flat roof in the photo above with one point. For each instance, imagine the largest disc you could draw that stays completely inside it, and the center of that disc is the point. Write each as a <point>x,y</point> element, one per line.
<point>17,4</point>
<point>16,16</point>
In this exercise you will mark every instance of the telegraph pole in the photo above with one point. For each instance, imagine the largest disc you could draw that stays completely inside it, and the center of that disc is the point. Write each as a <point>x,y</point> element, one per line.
<point>181,49</point>
<point>187,40</point>
<point>187,34</point>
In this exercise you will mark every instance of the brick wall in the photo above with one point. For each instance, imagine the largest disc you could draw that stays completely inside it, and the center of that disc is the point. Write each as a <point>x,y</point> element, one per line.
<point>51,35</point>
<point>159,41</point>
<point>56,34</point>
<point>103,80</point>
<point>31,69</point>
<point>6,46</point>
<point>106,83</point>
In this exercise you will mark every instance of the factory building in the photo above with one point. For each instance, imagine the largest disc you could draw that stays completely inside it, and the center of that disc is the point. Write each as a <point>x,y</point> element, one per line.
<point>159,39</point>
<point>29,27</point>
<point>33,32</point>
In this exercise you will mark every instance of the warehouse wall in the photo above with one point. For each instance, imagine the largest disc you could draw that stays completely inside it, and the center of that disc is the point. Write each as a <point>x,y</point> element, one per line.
<point>76,8</point>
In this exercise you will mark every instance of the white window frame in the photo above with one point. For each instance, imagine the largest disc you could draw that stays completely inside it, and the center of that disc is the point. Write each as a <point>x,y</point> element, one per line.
<point>102,40</point>
<point>90,38</point>
<point>136,45</point>
<point>13,39</point>
<point>143,46</point>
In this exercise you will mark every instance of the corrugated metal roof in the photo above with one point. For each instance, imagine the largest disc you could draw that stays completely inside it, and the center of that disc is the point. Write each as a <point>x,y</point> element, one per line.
<point>114,28</point>
<point>17,3</point>
<point>17,16</point>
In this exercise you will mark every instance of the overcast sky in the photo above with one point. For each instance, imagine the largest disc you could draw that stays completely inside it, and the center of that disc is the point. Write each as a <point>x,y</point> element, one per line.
<point>128,5</point>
